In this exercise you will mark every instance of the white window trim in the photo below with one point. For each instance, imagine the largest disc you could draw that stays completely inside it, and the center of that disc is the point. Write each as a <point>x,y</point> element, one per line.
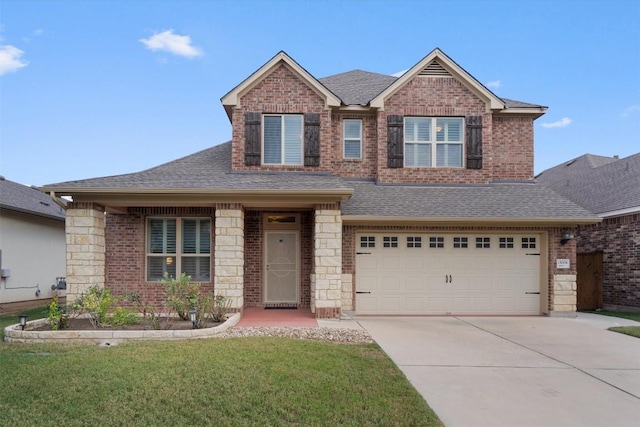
<point>434,143</point>
<point>179,243</point>
<point>345,139</point>
<point>282,142</point>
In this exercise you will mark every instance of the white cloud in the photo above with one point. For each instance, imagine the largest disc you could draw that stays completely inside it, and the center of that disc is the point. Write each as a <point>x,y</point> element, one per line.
<point>169,42</point>
<point>630,110</point>
<point>562,123</point>
<point>10,59</point>
<point>399,73</point>
<point>494,84</point>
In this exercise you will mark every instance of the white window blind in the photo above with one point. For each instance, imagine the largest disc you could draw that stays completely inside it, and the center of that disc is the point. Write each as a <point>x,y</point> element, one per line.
<point>352,139</point>
<point>191,256</point>
<point>429,138</point>
<point>282,136</point>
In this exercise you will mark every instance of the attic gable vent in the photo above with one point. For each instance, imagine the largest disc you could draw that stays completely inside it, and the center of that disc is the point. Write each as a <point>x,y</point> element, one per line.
<point>435,69</point>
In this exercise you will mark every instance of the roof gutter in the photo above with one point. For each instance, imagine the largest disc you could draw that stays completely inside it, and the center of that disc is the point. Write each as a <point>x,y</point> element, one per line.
<point>459,221</point>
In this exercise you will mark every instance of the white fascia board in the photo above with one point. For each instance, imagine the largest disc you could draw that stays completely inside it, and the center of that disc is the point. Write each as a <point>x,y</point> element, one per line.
<point>232,98</point>
<point>620,212</point>
<point>495,103</point>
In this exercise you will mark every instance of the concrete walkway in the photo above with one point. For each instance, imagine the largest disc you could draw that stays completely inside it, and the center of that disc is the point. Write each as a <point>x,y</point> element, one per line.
<point>517,371</point>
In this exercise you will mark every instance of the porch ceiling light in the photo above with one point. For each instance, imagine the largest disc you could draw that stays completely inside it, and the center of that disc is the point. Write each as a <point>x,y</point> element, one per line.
<point>23,320</point>
<point>192,317</point>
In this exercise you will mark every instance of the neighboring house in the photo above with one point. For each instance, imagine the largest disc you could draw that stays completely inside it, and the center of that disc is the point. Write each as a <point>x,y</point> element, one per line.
<point>608,252</point>
<point>359,191</point>
<point>32,246</point>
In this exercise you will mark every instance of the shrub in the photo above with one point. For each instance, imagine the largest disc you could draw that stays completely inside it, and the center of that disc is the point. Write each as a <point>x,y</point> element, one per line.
<point>221,307</point>
<point>122,316</point>
<point>181,295</point>
<point>58,315</point>
<point>96,303</point>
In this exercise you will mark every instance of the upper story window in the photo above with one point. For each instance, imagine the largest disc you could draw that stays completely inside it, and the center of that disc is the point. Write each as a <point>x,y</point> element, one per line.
<point>179,245</point>
<point>433,141</point>
<point>282,136</point>
<point>352,146</point>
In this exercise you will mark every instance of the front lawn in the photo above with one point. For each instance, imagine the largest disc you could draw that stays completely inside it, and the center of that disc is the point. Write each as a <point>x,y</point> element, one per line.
<point>634,331</point>
<point>235,381</point>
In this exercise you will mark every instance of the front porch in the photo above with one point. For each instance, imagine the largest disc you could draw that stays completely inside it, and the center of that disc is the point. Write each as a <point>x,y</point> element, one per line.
<point>250,266</point>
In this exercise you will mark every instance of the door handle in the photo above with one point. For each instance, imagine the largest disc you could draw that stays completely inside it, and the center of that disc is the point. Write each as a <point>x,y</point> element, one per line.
<point>532,293</point>
<point>446,279</point>
<point>362,292</point>
<point>363,253</point>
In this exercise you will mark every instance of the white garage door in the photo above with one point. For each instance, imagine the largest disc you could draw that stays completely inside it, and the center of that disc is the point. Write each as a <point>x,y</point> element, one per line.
<point>447,273</point>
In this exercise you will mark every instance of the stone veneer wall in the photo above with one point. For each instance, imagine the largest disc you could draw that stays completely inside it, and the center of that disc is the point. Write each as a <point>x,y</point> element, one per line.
<point>228,277</point>
<point>326,280</point>
<point>85,235</point>
<point>563,290</point>
<point>619,240</point>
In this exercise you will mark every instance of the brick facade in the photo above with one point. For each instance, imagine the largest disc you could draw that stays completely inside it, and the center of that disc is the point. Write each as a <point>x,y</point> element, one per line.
<point>619,240</point>
<point>327,248</point>
<point>126,251</point>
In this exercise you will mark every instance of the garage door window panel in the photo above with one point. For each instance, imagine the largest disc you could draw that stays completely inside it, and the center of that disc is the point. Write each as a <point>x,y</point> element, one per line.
<point>390,242</point>
<point>436,242</point>
<point>414,242</point>
<point>483,242</point>
<point>367,242</point>
<point>506,243</point>
<point>460,242</point>
<point>528,243</point>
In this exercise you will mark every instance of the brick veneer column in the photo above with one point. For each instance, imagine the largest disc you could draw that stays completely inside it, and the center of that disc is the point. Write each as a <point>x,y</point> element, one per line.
<point>228,277</point>
<point>327,277</point>
<point>85,226</point>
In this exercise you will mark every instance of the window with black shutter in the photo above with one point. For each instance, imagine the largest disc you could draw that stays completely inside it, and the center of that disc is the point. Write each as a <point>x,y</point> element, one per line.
<point>395,144</point>
<point>312,139</point>
<point>252,133</point>
<point>474,142</point>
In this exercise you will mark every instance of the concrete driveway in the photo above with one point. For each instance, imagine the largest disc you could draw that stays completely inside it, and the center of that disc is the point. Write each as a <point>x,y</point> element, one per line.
<point>517,371</point>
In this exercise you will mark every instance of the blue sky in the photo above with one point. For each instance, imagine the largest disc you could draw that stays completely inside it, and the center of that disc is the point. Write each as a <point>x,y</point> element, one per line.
<point>97,88</point>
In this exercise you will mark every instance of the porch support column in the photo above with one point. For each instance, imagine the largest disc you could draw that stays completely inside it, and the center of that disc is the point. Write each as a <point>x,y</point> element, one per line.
<point>85,227</point>
<point>327,276</point>
<point>565,296</point>
<point>228,279</point>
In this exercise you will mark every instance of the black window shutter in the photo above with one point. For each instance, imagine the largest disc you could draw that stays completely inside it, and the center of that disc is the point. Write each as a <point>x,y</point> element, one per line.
<point>252,138</point>
<point>395,141</point>
<point>474,142</point>
<point>312,139</point>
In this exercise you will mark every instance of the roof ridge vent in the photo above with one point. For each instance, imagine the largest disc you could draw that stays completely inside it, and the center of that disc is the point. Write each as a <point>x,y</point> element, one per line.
<point>435,69</point>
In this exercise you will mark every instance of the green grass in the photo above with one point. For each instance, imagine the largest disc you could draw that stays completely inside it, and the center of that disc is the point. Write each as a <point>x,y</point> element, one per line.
<point>35,313</point>
<point>260,381</point>
<point>634,331</point>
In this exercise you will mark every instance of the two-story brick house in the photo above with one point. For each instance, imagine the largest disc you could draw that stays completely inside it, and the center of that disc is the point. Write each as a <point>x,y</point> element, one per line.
<point>359,191</point>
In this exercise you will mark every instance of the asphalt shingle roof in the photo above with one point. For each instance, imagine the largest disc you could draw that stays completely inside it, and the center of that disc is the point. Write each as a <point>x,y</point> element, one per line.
<point>357,87</point>
<point>210,170</point>
<point>520,200</point>
<point>20,198</point>
<point>599,184</point>
<point>207,169</point>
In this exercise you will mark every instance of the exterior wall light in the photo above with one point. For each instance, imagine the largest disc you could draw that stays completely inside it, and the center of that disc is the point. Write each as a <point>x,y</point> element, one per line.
<point>23,320</point>
<point>566,236</point>
<point>192,317</point>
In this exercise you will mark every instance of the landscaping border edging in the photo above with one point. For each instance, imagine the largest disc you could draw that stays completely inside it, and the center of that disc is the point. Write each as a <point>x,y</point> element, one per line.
<point>13,333</point>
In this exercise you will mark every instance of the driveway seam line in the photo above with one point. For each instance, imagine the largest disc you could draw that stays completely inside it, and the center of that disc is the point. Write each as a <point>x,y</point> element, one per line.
<point>546,355</point>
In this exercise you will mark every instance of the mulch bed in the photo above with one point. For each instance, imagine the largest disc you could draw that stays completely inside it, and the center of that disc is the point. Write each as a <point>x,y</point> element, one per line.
<point>143,324</point>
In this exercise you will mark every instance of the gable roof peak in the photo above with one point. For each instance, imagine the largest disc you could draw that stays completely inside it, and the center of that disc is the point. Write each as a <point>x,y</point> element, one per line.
<point>232,98</point>
<point>445,64</point>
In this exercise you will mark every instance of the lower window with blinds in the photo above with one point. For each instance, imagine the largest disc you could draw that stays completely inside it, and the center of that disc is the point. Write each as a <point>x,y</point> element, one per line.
<point>178,245</point>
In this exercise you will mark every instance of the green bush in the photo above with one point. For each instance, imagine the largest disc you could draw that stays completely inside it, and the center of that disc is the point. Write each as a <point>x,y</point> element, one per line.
<point>58,315</point>
<point>181,295</point>
<point>122,317</point>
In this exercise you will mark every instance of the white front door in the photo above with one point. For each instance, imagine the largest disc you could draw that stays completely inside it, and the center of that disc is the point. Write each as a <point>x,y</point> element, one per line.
<point>281,267</point>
